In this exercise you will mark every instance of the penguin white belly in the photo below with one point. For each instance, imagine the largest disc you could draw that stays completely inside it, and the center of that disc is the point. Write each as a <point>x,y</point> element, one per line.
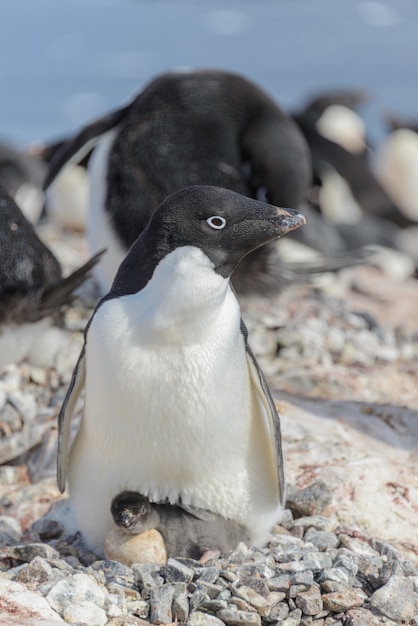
<point>169,409</point>
<point>100,233</point>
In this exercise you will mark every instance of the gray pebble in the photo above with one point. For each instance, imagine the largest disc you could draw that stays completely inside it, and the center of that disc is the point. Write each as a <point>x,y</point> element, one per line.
<point>293,619</point>
<point>203,619</point>
<point>231,617</point>
<point>338,574</point>
<point>253,598</point>
<point>396,599</point>
<point>318,522</point>
<point>302,578</point>
<point>280,583</point>
<point>277,612</point>
<point>322,540</point>
<point>312,500</point>
<point>26,552</point>
<point>310,602</point>
<point>213,606</point>
<point>84,612</point>
<point>210,589</point>
<point>346,562</point>
<point>38,571</point>
<point>180,607</point>
<point>197,599</point>
<point>177,572</point>
<point>24,403</point>
<point>209,575</point>
<point>343,600</point>
<point>160,604</point>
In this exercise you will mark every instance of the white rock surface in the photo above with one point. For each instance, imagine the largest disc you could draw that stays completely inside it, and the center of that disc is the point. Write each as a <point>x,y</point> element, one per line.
<point>20,606</point>
<point>367,455</point>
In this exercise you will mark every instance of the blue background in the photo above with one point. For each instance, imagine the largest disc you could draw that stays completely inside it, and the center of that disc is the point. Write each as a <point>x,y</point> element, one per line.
<point>63,62</point>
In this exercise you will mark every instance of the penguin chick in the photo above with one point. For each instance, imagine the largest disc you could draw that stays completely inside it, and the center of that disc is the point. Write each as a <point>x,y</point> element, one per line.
<point>176,406</point>
<point>203,127</point>
<point>186,533</point>
<point>32,289</point>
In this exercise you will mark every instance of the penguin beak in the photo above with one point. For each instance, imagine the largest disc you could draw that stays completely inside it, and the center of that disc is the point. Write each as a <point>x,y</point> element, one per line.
<point>287,219</point>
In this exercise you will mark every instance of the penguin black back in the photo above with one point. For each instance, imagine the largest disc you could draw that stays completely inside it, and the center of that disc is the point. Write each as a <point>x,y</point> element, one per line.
<point>25,262</point>
<point>198,128</point>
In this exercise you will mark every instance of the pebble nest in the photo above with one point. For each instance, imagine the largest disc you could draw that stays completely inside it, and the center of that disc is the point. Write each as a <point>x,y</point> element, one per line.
<point>312,571</point>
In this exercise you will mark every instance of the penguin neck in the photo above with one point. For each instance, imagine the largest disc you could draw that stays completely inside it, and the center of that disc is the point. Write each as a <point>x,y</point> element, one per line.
<point>184,292</point>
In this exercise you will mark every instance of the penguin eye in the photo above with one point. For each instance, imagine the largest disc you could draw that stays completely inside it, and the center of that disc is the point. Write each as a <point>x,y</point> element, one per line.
<point>217,222</point>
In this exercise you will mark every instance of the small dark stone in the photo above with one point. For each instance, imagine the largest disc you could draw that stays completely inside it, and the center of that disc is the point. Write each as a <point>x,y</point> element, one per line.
<point>178,572</point>
<point>312,500</point>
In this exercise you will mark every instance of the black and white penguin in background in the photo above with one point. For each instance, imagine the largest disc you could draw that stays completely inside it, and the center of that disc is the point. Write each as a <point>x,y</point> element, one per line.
<point>208,127</point>
<point>22,175</point>
<point>32,290</point>
<point>176,407</point>
<point>396,164</point>
<point>347,190</point>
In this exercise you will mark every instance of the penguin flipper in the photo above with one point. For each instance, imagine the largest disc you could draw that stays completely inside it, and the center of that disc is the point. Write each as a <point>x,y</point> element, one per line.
<point>272,425</point>
<point>74,150</point>
<point>65,416</point>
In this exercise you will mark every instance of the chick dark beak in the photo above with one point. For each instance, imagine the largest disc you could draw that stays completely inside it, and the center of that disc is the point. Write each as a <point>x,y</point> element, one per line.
<point>288,219</point>
<point>126,519</point>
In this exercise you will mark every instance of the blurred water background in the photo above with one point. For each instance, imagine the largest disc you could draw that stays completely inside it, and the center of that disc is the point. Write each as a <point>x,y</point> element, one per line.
<point>63,62</point>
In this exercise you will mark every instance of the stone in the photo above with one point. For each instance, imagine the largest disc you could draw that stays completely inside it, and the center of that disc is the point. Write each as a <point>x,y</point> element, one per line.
<point>209,575</point>
<point>302,578</point>
<point>75,589</point>
<point>180,607</point>
<point>277,612</point>
<point>17,602</point>
<point>361,617</point>
<point>37,571</point>
<point>280,583</point>
<point>396,599</point>
<point>343,600</point>
<point>177,572</point>
<point>84,614</point>
<point>322,540</point>
<point>231,617</point>
<point>146,547</point>
<point>160,604</point>
<point>318,522</point>
<point>312,500</point>
<point>293,619</point>
<point>254,599</point>
<point>198,598</point>
<point>27,551</point>
<point>203,619</point>
<point>310,602</point>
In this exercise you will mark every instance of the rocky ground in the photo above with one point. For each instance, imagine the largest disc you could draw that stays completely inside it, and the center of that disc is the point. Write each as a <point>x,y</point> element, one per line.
<point>341,358</point>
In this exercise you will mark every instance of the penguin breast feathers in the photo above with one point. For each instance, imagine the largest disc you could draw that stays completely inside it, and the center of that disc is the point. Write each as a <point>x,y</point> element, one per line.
<point>158,399</point>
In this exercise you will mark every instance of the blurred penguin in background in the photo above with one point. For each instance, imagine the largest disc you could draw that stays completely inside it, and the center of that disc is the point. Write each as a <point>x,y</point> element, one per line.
<point>346,190</point>
<point>208,127</point>
<point>396,164</point>
<point>66,200</point>
<point>21,176</point>
<point>33,291</point>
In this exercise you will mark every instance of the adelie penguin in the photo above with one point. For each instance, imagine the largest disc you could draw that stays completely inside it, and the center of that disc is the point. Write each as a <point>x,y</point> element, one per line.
<point>204,127</point>
<point>176,406</point>
<point>349,192</point>
<point>32,288</point>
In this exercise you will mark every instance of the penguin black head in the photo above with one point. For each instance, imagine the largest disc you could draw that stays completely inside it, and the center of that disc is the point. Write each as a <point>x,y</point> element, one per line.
<point>130,508</point>
<point>225,225</point>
